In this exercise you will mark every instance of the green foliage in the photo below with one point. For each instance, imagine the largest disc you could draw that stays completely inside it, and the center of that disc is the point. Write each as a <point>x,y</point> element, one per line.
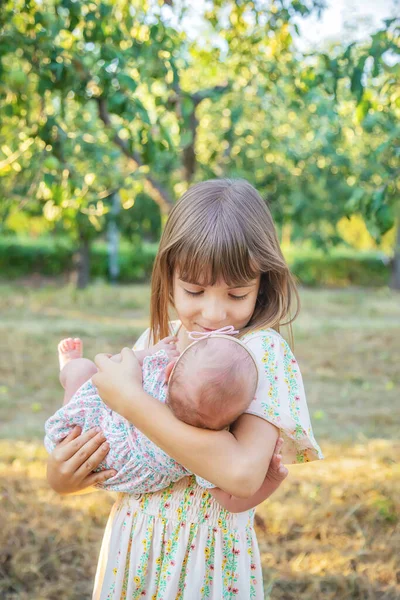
<point>135,262</point>
<point>51,257</point>
<point>105,97</point>
<point>22,257</point>
<point>342,269</point>
<point>143,220</point>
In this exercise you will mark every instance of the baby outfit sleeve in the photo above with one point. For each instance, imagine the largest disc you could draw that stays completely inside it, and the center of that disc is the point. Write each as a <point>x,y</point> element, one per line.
<point>203,483</point>
<point>280,397</point>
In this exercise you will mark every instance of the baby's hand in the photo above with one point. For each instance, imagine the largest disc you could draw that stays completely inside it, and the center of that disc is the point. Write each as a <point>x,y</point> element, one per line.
<point>276,470</point>
<point>167,344</point>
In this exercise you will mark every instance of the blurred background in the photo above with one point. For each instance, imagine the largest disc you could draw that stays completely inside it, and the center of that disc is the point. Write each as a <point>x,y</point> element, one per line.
<point>109,111</point>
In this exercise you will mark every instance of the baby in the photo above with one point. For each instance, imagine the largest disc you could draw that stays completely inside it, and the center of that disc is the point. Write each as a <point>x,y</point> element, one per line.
<point>209,385</point>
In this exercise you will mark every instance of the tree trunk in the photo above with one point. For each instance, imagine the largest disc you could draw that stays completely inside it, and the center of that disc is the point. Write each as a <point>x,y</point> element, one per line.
<point>83,262</point>
<point>189,154</point>
<point>395,280</point>
<point>113,239</point>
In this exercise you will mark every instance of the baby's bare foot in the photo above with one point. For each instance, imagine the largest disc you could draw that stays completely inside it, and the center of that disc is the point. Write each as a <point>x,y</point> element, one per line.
<point>68,350</point>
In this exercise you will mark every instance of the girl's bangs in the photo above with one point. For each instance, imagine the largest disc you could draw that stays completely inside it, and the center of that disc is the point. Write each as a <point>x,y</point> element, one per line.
<point>210,261</point>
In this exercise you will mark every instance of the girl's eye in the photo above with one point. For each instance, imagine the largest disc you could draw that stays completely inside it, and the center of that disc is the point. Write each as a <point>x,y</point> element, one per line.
<point>230,295</point>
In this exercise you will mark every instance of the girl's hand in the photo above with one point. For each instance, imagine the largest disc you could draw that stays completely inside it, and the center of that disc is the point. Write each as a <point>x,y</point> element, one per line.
<point>70,465</point>
<point>116,382</point>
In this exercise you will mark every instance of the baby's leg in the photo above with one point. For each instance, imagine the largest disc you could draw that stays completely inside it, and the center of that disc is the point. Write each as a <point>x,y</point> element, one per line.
<point>74,370</point>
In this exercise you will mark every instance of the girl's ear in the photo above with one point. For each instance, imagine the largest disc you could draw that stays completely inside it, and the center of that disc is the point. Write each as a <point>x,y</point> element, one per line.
<point>168,369</point>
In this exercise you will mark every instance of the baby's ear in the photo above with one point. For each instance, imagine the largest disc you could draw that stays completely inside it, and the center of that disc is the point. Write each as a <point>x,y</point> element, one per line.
<point>168,369</point>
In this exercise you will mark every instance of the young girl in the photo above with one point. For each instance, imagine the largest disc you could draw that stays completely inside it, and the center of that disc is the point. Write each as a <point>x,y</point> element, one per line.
<point>219,263</point>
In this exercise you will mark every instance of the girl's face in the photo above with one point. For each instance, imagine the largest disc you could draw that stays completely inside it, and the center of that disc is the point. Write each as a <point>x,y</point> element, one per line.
<point>204,308</point>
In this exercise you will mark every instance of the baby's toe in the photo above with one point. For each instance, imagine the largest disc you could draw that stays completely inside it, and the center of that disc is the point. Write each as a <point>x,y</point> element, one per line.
<point>78,344</point>
<point>70,344</point>
<point>63,345</point>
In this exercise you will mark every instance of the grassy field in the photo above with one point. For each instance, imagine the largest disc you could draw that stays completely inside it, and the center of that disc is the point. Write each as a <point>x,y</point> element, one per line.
<point>331,532</point>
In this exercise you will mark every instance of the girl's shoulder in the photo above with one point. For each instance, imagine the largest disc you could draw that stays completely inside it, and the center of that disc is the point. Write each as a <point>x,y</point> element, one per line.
<point>262,334</point>
<point>263,340</point>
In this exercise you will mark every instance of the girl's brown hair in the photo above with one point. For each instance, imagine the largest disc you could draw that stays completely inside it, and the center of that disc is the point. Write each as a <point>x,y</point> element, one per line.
<point>223,229</point>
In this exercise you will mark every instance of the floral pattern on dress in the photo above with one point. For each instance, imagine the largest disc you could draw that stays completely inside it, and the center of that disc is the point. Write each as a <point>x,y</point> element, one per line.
<point>280,397</point>
<point>198,549</point>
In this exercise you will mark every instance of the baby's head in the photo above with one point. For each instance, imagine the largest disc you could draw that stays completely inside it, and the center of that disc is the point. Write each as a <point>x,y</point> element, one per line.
<point>212,383</point>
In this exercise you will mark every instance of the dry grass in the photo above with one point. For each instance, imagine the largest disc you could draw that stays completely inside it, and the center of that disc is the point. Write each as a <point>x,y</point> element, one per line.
<point>332,532</point>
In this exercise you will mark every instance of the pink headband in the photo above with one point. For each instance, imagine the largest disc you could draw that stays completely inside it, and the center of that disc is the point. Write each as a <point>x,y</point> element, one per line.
<point>200,335</point>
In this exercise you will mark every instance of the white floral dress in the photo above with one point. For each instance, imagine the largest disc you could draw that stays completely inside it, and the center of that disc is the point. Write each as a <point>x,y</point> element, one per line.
<point>179,543</point>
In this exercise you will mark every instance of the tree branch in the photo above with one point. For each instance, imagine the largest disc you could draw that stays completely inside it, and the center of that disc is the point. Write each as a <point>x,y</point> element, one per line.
<point>203,94</point>
<point>15,155</point>
<point>153,188</point>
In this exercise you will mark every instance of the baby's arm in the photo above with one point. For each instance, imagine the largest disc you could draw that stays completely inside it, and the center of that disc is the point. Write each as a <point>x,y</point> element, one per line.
<point>275,475</point>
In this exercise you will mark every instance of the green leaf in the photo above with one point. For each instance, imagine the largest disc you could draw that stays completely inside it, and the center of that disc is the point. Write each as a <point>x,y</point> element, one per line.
<point>49,179</point>
<point>127,82</point>
<point>353,205</point>
<point>385,218</point>
<point>347,54</point>
<point>187,107</point>
<point>142,112</point>
<point>362,110</point>
<point>186,138</point>
<point>378,198</point>
<point>356,86</point>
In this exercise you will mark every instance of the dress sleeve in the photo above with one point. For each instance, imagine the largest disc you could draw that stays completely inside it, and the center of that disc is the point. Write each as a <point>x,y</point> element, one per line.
<point>280,397</point>
<point>143,341</point>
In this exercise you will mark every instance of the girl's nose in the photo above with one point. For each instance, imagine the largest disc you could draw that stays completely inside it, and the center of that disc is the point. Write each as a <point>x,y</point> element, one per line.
<point>214,314</point>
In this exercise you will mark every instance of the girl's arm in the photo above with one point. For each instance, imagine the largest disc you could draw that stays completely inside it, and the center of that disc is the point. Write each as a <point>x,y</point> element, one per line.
<point>234,461</point>
<point>235,504</point>
<point>276,474</point>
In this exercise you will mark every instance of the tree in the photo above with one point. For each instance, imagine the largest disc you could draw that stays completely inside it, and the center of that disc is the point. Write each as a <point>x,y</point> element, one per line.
<point>115,96</point>
<point>373,71</point>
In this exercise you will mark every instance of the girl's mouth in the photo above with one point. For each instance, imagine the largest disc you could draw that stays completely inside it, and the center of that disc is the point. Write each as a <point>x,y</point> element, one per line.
<point>205,328</point>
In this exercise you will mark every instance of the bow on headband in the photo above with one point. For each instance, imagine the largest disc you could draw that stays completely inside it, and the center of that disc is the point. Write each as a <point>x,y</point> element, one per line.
<point>201,335</point>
